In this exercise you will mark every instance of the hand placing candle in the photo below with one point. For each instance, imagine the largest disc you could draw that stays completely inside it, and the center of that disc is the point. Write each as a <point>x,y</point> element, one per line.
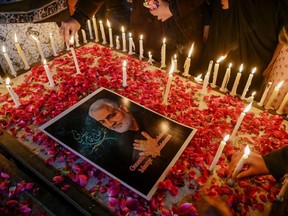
<point>163,54</point>
<point>90,30</point>
<point>21,53</point>
<point>124,74</point>
<point>110,34</point>
<point>123,40</point>
<point>273,95</point>
<point>215,72</point>
<point>141,49</point>
<point>167,90</point>
<point>74,55</point>
<point>236,82</point>
<point>38,46</point>
<point>94,22</point>
<point>226,79</point>
<point>49,75</point>
<point>240,119</point>
<point>219,152</point>
<point>241,162</point>
<point>102,33</point>
<point>14,96</point>
<point>248,83</point>
<point>267,88</point>
<point>9,62</point>
<point>188,62</point>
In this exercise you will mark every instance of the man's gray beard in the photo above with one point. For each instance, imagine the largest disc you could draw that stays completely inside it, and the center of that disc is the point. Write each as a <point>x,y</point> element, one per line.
<point>125,124</point>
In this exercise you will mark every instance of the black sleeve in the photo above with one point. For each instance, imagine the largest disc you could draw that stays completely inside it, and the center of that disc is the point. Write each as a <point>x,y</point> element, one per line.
<point>277,162</point>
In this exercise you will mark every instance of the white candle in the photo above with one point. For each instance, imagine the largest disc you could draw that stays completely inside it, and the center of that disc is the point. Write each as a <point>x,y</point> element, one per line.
<point>248,83</point>
<point>117,42</point>
<point>49,75</point>
<point>251,98</point>
<point>94,22</point>
<point>163,54</point>
<point>9,62</point>
<point>141,49</point>
<point>198,79</point>
<point>77,39</point>
<point>131,44</point>
<point>236,82</point>
<point>167,90</point>
<point>38,46</point>
<point>124,40</point>
<point>210,66</point>
<point>205,84</point>
<point>124,74</point>
<point>284,102</point>
<point>110,34</point>
<point>188,62</point>
<point>239,121</point>
<point>150,58</point>
<point>218,153</point>
<point>267,88</point>
<point>226,79</point>
<point>102,33</point>
<point>14,96</point>
<point>84,36</point>
<point>74,55</point>
<point>273,95</point>
<point>215,72</point>
<point>52,43</point>
<point>21,53</point>
<point>90,30</point>
<point>241,162</point>
<point>175,63</point>
<point>280,196</point>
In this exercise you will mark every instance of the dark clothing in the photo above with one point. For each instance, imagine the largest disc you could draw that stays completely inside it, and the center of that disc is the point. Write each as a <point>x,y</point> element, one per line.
<point>277,162</point>
<point>248,33</point>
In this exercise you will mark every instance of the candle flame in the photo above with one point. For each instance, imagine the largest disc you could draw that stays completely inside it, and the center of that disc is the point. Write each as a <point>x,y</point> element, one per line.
<point>7,81</point>
<point>221,59</point>
<point>34,37</point>
<point>191,50</point>
<point>253,94</point>
<point>248,108</point>
<point>71,41</point>
<point>230,65</point>
<point>4,49</point>
<point>117,37</point>
<point>15,38</point>
<point>124,63</point>
<point>175,56</point>
<point>226,138</point>
<point>122,29</point>
<point>247,150</point>
<point>171,69</point>
<point>149,53</point>
<point>108,24</point>
<point>241,68</point>
<point>164,40</point>
<point>141,37</point>
<point>130,34</point>
<point>253,70</point>
<point>44,61</point>
<point>279,85</point>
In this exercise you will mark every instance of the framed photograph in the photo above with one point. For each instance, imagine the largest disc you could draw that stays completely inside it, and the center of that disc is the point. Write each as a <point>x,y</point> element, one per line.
<point>125,140</point>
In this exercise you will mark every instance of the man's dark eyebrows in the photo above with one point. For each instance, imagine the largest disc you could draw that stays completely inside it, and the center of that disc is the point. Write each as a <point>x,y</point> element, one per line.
<point>111,115</point>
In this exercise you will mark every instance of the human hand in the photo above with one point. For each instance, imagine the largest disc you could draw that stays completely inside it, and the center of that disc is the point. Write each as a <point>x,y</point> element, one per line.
<point>225,4</point>
<point>69,27</point>
<point>255,162</point>
<point>147,147</point>
<point>162,12</point>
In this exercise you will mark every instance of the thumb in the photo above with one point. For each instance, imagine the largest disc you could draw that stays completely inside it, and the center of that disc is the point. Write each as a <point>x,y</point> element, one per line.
<point>244,174</point>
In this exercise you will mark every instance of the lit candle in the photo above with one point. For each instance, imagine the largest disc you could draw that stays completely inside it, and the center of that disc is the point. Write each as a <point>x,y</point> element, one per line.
<point>198,79</point>
<point>236,82</point>
<point>273,95</point>
<point>163,54</point>
<point>175,63</point>
<point>205,84</point>
<point>226,79</point>
<point>241,162</point>
<point>123,39</point>
<point>215,72</point>
<point>248,83</point>
<point>14,96</point>
<point>90,30</point>
<point>102,33</point>
<point>77,39</point>
<point>48,73</point>
<point>94,22</point>
<point>110,34</point>
<point>167,90</point>
<point>150,58</point>
<point>9,62</point>
<point>218,153</point>
<point>124,74</point>
<point>141,49</point>
<point>267,88</point>
<point>251,98</point>
<point>52,43</point>
<point>84,36</point>
<point>38,46</point>
<point>74,55</point>
<point>188,62</point>
<point>21,53</point>
<point>280,196</point>
<point>210,66</point>
<point>117,42</point>
<point>284,102</point>
<point>239,121</point>
<point>131,44</point>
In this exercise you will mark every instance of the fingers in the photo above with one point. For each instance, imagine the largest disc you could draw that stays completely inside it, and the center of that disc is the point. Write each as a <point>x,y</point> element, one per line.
<point>146,135</point>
